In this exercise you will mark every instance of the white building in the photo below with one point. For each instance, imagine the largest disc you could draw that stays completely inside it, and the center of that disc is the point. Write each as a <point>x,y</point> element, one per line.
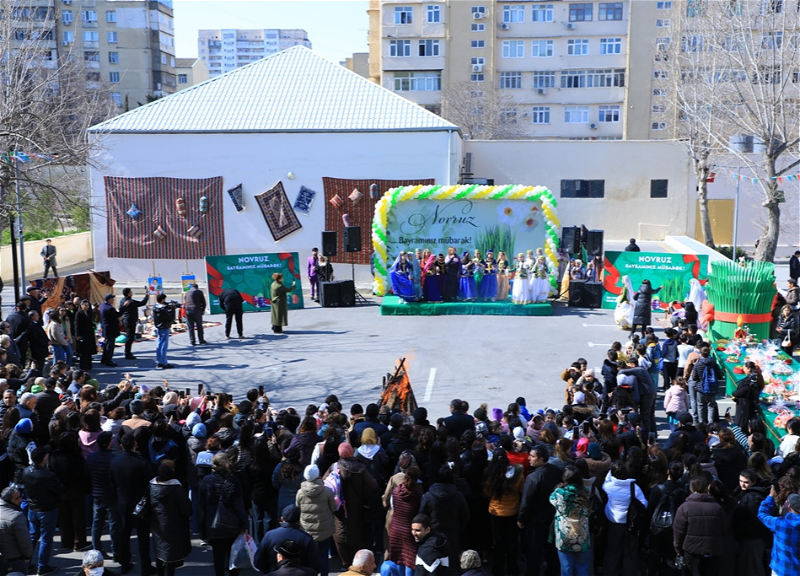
<point>292,117</point>
<point>228,49</point>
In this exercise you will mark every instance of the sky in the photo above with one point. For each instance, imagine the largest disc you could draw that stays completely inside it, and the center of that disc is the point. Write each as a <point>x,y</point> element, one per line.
<point>336,28</point>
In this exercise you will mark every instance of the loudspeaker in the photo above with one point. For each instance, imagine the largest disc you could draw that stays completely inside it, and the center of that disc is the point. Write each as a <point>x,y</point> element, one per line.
<point>347,293</point>
<point>592,296</point>
<point>576,292</point>
<point>329,294</point>
<point>329,243</point>
<point>352,238</point>
<point>594,245</point>
<point>571,240</point>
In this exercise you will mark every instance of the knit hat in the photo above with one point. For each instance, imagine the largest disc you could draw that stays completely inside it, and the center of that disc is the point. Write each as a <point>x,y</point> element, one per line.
<point>470,560</point>
<point>519,433</point>
<point>137,407</point>
<point>794,502</point>
<point>582,446</point>
<point>37,388</point>
<point>368,436</point>
<point>192,419</point>
<point>593,450</point>
<point>345,450</point>
<point>480,414</point>
<point>24,426</point>
<point>497,414</point>
<point>406,461</point>
<point>199,431</point>
<point>589,372</point>
<point>685,418</point>
<point>311,472</point>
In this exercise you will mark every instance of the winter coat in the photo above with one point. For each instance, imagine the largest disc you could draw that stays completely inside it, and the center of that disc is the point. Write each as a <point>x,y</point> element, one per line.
<point>317,506</point>
<point>746,398</point>
<point>287,487</point>
<point>170,510</point>
<point>15,540</point>
<point>598,468</point>
<point>356,481</point>
<point>214,487</point>
<point>99,466</point>
<point>619,498</point>
<point>643,307</point>
<point>729,462</point>
<point>304,442</point>
<point>699,526</point>
<point>746,525</point>
<point>447,508</point>
<point>508,504</point>
<point>402,546</point>
<point>55,334</point>
<point>18,452</point>
<point>571,503</point>
<point>266,559</point>
<point>432,550</point>
<point>676,400</point>
<point>535,508</point>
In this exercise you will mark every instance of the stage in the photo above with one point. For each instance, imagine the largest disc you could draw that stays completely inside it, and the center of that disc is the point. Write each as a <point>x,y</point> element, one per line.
<point>394,306</point>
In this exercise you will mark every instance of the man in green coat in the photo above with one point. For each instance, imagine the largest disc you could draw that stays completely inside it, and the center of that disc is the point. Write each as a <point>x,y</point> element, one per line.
<point>279,311</point>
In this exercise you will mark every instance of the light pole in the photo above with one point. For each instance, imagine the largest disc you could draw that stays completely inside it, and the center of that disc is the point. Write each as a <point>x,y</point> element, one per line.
<point>736,215</point>
<point>19,234</point>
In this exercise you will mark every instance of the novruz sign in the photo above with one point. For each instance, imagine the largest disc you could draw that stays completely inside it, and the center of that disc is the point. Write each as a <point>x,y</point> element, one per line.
<point>510,219</point>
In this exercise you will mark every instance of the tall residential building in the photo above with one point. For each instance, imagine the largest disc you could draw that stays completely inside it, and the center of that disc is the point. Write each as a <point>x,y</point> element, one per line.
<point>226,50</point>
<point>564,68</point>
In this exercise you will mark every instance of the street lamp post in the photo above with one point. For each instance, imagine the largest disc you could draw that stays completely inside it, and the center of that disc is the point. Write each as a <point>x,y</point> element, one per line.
<point>19,234</point>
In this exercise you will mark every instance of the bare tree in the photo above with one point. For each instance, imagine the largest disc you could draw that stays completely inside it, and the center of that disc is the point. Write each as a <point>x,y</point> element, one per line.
<point>740,61</point>
<point>482,114</point>
<point>49,97</point>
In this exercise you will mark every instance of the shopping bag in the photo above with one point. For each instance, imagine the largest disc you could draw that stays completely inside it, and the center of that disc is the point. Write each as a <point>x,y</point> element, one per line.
<point>243,551</point>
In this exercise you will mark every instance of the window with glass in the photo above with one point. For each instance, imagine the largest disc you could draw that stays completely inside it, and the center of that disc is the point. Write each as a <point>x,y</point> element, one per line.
<point>605,78</point>
<point>513,48</point>
<point>513,13</point>
<point>116,98</point>
<point>90,36</point>
<point>508,116</point>
<point>544,79</point>
<point>433,13</point>
<point>403,14</point>
<point>542,12</point>
<point>399,48</point>
<point>478,27</point>
<point>91,56</point>
<point>609,11</point>
<point>183,79</point>
<point>583,188</point>
<point>113,57</point>
<point>89,15</point>
<point>477,61</point>
<point>429,48</point>
<point>578,46</point>
<point>610,45</point>
<point>111,37</point>
<point>113,77</point>
<point>477,78</point>
<point>658,109</point>
<point>658,188</point>
<point>540,115</point>
<point>417,81</point>
<point>111,16</point>
<point>608,114</point>
<point>479,10</point>
<point>510,79</point>
<point>478,44</point>
<point>663,23</point>
<point>663,5</point>
<point>68,36</point>
<point>66,16</point>
<point>658,126</point>
<point>580,12</point>
<point>542,48</point>
<point>573,79</point>
<point>660,92</point>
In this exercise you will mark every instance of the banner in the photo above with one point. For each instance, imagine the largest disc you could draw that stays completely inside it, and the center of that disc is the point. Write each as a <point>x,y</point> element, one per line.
<point>251,275</point>
<point>672,272</point>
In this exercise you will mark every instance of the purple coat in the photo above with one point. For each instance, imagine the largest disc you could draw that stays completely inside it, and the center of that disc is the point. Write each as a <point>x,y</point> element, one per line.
<point>304,442</point>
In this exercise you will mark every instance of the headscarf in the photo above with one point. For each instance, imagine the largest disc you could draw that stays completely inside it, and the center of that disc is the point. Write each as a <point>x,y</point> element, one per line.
<point>345,450</point>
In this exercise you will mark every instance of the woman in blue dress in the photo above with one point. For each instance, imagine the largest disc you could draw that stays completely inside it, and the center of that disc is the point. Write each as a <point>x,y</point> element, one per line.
<point>400,276</point>
<point>416,273</point>
<point>488,289</point>
<point>431,286</point>
<point>467,288</point>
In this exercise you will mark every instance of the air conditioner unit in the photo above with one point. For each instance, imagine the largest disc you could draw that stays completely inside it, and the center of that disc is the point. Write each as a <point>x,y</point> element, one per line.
<point>477,67</point>
<point>67,2</point>
<point>541,90</point>
<point>593,125</point>
<point>570,26</point>
<point>504,26</point>
<point>477,15</point>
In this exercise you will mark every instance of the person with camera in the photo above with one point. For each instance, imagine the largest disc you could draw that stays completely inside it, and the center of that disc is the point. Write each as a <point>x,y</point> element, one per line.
<point>163,318</point>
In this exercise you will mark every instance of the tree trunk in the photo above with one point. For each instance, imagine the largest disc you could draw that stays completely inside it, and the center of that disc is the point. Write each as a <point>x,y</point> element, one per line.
<point>767,243</point>
<point>702,202</point>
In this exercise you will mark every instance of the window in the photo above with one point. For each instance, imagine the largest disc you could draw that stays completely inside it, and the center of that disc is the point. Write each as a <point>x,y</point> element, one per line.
<point>542,13</point>
<point>433,14</point>
<point>513,13</point>
<point>658,109</point>
<point>540,115</point>
<point>513,48</point>
<point>478,44</point>
<point>694,43</point>
<point>660,74</point>
<point>113,57</point>
<point>164,59</point>
<point>90,36</point>
<point>91,56</point>
<point>576,114</point>
<point>477,93</point>
<point>610,45</point>
<point>583,188</point>
<point>111,16</point>
<point>510,79</point>
<point>771,6</point>
<point>608,114</point>
<point>429,48</point>
<point>402,14</point>
<point>580,12</point>
<point>66,16</point>
<point>111,37</point>
<point>544,79</point>
<point>573,79</point>
<point>542,48</point>
<point>476,78</point>
<point>605,78</point>
<point>398,48</point>
<point>478,27</point>
<point>69,36</point>
<point>478,61</point>
<point>660,92</point>
<point>658,126</point>
<point>658,188</point>
<point>479,10</point>
<point>578,47</point>
<point>771,40</point>
<point>113,77</point>
<point>116,98</point>
<point>663,23</point>
<point>89,16</point>
<point>663,5</point>
<point>609,11</point>
<point>508,116</point>
<point>417,81</point>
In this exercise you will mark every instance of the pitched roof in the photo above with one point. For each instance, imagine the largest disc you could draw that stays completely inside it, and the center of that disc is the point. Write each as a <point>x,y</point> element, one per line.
<point>295,90</point>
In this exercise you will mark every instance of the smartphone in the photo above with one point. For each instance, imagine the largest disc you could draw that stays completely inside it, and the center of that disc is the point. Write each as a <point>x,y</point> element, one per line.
<point>603,415</point>
<point>208,394</point>
<point>575,433</point>
<point>188,393</point>
<point>261,390</point>
<point>199,389</point>
<point>182,394</point>
<point>651,438</point>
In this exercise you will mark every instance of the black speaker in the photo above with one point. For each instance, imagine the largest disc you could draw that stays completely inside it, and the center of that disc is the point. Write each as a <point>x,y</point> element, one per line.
<point>329,243</point>
<point>352,238</point>
<point>594,245</point>
<point>329,294</point>
<point>571,240</point>
<point>347,293</point>
<point>576,292</point>
<point>592,295</point>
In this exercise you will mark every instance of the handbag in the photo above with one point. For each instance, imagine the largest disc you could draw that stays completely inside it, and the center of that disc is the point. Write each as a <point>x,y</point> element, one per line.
<point>637,515</point>
<point>787,342</point>
<point>226,520</point>
<point>142,508</point>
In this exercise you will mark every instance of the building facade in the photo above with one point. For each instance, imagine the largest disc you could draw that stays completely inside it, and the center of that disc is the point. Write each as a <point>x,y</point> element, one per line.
<point>226,50</point>
<point>128,44</point>
<point>563,69</point>
<point>190,71</point>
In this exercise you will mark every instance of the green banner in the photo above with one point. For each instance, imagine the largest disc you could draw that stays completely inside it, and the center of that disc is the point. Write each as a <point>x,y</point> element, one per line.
<point>673,272</point>
<point>251,275</point>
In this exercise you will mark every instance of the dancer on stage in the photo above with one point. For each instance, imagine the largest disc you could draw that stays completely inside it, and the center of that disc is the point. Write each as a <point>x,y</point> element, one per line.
<point>441,275</point>
<point>400,276</point>
<point>416,273</point>
<point>430,285</point>
<point>488,288</point>
<point>467,287</point>
<point>453,270</point>
<point>541,282</point>
<point>502,277</point>
<point>477,261</point>
<point>530,264</point>
<point>520,293</point>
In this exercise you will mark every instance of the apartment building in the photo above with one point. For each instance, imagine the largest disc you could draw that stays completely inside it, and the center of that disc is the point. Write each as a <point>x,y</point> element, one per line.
<point>226,50</point>
<point>564,68</point>
<point>190,71</point>
<point>128,44</point>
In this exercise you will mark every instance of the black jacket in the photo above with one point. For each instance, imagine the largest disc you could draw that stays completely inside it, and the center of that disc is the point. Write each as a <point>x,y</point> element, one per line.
<point>458,423</point>
<point>84,326</point>
<point>265,559</point>
<point>109,319</point>
<point>128,310</point>
<point>19,322</point>
<point>99,466</point>
<point>288,567</point>
<point>216,487</point>
<point>42,489</point>
<point>170,510</point>
<point>130,474</point>
<point>230,300</point>
<point>535,508</point>
<point>432,550</point>
<point>700,369</point>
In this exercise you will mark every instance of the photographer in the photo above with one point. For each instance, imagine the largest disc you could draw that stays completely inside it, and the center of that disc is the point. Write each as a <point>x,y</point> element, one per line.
<point>163,318</point>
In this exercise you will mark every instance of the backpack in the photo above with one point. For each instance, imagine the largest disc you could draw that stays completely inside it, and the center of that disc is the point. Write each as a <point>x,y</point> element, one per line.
<point>664,513</point>
<point>157,453</point>
<point>708,383</point>
<point>334,481</point>
<point>597,509</point>
<point>163,315</point>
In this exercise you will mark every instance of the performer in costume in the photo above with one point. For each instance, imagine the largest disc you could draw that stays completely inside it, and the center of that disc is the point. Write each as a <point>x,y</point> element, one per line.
<point>519,291</point>
<point>441,275</point>
<point>453,269</point>
<point>416,273</point>
<point>467,288</point>
<point>530,264</point>
<point>430,286</point>
<point>488,287</point>
<point>541,283</point>
<point>502,277</point>
<point>576,272</point>
<point>477,260</point>
<point>400,276</point>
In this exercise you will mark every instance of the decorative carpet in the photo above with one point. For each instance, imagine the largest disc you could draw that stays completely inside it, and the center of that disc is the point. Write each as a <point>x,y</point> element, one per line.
<point>394,306</point>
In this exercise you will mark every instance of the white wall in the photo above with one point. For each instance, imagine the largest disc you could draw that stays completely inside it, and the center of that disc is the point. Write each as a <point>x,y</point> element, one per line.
<point>71,249</point>
<point>626,166</point>
<point>258,161</point>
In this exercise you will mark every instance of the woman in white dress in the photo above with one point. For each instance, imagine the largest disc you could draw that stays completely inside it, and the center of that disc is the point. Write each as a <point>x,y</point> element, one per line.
<point>541,282</point>
<point>520,291</point>
<point>530,264</point>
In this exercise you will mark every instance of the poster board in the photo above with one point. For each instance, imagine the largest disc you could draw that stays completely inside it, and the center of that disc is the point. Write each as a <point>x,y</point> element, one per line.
<point>251,275</point>
<point>186,282</point>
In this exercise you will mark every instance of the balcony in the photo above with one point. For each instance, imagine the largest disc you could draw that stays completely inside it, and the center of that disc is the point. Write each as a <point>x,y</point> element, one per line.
<point>89,23</point>
<point>92,65</point>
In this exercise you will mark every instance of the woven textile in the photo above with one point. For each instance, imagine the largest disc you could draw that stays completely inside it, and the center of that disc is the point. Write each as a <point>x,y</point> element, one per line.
<point>155,197</point>
<point>278,212</point>
<point>361,212</point>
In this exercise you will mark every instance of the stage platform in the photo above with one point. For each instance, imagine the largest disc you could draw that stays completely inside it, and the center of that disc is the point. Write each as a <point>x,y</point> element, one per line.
<point>394,306</point>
